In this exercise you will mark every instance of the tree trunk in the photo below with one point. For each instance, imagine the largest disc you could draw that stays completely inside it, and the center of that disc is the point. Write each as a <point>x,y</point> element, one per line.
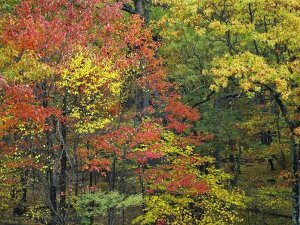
<point>52,183</point>
<point>218,149</point>
<point>112,181</point>
<point>62,184</point>
<point>232,162</point>
<point>238,159</point>
<point>49,143</point>
<point>53,200</point>
<point>63,163</point>
<point>272,167</point>
<point>295,187</point>
<point>76,172</point>
<point>24,185</point>
<point>91,179</point>
<point>283,161</point>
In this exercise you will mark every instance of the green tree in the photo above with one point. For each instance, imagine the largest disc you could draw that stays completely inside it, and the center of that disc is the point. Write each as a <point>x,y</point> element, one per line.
<point>256,50</point>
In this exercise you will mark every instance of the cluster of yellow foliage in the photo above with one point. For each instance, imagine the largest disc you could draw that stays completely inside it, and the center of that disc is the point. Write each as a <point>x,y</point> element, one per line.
<point>95,88</point>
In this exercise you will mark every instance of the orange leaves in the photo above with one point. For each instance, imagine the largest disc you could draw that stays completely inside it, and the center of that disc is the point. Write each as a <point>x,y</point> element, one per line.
<point>47,28</point>
<point>91,162</point>
<point>143,157</point>
<point>176,125</point>
<point>179,110</point>
<point>18,107</point>
<point>146,134</point>
<point>114,141</point>
<point>99,165</point>
<point>180,177</point>
<point>21,122</point>
<point>190,183</point>
<point>179,114</point>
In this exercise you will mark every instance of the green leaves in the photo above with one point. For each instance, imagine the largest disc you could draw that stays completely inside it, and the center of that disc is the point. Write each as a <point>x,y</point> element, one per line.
<point>98,203</point>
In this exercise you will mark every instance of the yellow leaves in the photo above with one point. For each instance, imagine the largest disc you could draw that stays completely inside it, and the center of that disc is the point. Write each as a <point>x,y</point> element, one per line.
<point>256,43</point>
<point>170,145</point>
<point>96,87</point>
<point>23,67</point>
<point>216,207</point>
<point>208,11</point>
<point>182,11</point>
<point>166,205</point>
<point>237,27</point>
<point>7,55</point>
<point>217,27</point>
<point>200,31</point>
<point>252,72</point>
<point>85,76</point>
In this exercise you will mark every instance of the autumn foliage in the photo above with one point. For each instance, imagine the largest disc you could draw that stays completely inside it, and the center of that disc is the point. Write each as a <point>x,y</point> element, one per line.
<point>85,104</point>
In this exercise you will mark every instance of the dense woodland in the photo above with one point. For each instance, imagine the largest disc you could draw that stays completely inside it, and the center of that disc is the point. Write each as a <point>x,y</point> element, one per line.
<point>162,112</point>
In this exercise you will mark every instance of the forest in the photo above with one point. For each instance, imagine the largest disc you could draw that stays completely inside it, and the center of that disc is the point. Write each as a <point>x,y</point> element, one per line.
<point>149,112</point>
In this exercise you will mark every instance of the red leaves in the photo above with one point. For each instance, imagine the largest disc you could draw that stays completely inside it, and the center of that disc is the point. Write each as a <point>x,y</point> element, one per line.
<point>178,177</point>
<point>143,157</point>
<point>189,182</point>
<point>53,30</point>
<point>146,134</point>
<point>19,106</point>
<point>99,165</point>
<point>21,118</point>
<point>113,141</point>
<point>92,162</point>
<point>176,125</point>
<point>179,110</point>
<point>179,115</point>
<point>45,26</point>
<point>161,222</point>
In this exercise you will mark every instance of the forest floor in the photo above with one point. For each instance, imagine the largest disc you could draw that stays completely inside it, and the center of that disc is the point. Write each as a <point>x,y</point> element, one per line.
<point>270,203</point>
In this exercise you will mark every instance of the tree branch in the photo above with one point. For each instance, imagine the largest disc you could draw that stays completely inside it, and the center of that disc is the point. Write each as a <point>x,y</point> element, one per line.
<point>129,9</point>
<point>206,99</point>
<point>292,124</point>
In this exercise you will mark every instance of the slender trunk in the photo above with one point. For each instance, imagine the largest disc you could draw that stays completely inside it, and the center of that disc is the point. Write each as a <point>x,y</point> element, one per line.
<point>91,179</point>
<point>24,185</point>
<point>52,183</point>
<point>53,199</point>
<point>143,192</point>
<point>95,179</point>
<point>112,177</point>
<point>232,161</point>
<point>123,181</point>
<point>238,159</point>
<point>63,185</point>
<point>283,161</point>
<point>63,163</point>
<point>295,187</point>
<point>294,152</point>
<point>49,143</point>
<point>76,172</point>
<point>272,167</point>
<point>123,216</point>
<point>217,155</point>
<point>111,210</point>
<point>92,203</point>
<point>111,215</point>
